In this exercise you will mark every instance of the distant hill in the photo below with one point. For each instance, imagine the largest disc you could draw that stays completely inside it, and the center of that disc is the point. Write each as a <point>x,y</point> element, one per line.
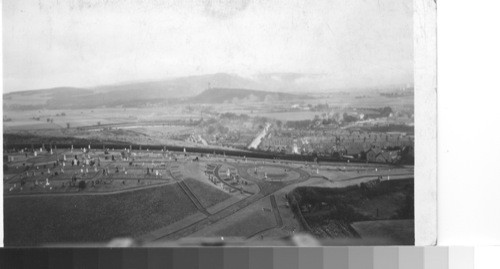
<point>180,87</point>
<point>124,94</point>
<point>223,88</point>
<point>40,99</point>
<point>234,95</point>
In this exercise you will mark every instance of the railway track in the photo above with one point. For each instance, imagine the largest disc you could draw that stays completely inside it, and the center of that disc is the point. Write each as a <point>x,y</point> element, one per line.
<point>222,214</point>
<point>277,216</point>
<point>276,211</point>
<point>189,193</point>
<point>177,176</point>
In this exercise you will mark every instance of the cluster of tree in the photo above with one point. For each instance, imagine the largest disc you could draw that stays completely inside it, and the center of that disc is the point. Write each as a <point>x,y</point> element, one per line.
<point>407,156</point>
<point>329,121</point>
<point>339,201</point>
<point>407,211</point>
<point>348,118</point>
<point>391,128</point>
<point>219,128</point>
<point>233,116</point>
<point>82,184</point>
<point>192,122</point>
<point>304,124</point>
<point>319,107</point>
<point>398,93</point>
<point>210,121</point>
<point>385,111</point>
<point>299,124</point>
<point>62,114</point>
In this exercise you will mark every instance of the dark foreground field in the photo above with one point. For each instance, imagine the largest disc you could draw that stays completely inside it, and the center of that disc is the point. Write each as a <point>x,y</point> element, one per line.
<point>30,221</point>
<point>383,210</point>
<point>208,195</point>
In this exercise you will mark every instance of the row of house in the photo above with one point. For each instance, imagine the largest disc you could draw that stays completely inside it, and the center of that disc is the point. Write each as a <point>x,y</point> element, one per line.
<point>328,145</point>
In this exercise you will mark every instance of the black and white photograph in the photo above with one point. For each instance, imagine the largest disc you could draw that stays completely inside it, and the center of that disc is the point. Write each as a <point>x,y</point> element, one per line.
<point>182,121</point>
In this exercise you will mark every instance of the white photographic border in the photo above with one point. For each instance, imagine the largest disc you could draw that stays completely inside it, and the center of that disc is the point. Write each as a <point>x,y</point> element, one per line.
<point>425,85</point>
<point>425,79</point>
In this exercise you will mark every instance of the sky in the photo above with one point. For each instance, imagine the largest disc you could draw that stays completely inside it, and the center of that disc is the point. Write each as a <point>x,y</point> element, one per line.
<point>84,43</point>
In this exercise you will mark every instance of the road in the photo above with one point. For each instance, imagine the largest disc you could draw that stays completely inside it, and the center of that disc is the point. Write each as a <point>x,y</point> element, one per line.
<point>236,207</point>
<point>256,142</point>
<point>216,174</point>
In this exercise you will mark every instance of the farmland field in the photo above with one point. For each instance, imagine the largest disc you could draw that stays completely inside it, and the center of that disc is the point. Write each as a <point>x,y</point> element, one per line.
<point>292,115</point>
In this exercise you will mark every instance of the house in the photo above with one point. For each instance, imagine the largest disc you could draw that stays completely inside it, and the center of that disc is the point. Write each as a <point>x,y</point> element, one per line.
<point>371,154</point>
<point>382,157</point>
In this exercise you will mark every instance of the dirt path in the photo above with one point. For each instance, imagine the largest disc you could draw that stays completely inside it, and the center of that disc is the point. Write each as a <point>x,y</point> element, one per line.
<point>83,193</point>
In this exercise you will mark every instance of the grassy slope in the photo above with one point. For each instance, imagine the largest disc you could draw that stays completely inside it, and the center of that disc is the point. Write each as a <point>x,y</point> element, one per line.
<point>221,95</point>
<point>388,197</point>
<point>207,195</point>
<point>397,232</point>
<point>249,225</point>
<point>352,204</point>
<point>36,220</point>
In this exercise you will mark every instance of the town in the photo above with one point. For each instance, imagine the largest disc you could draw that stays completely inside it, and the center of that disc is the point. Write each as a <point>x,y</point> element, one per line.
<point>247,165</point>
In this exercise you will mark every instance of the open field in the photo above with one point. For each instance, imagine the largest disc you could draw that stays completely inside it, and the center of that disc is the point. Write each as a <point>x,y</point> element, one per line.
<point>292,115</point>
<point>22,120</point>
<point>254,218</point>
<point>248,225</point>
<point>368,100</point>
<point>39,220</point>
<point>208,195</point>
